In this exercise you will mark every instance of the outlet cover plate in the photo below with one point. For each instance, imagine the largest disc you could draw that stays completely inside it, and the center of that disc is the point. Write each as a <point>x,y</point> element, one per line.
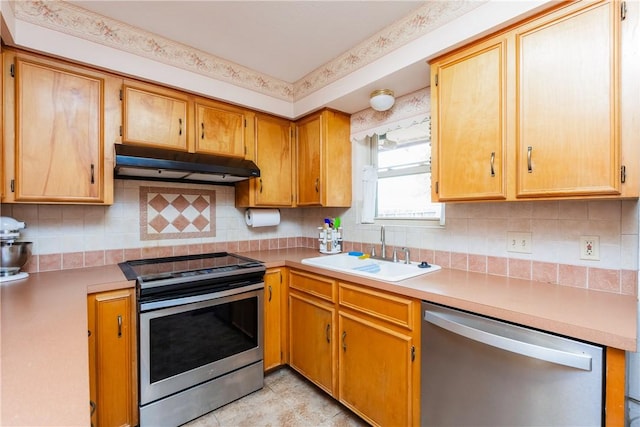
<point>519,242</point>
<point>590,248</point>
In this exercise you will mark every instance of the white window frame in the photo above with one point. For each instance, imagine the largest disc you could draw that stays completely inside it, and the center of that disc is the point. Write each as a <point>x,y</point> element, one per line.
<point>421,167</point>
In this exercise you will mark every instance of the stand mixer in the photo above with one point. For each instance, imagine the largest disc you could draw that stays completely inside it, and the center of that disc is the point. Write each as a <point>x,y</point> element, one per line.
<point>13,254</point>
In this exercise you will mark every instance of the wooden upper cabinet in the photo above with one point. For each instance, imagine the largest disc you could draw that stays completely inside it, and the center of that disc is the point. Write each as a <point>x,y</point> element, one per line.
<point>468,123</point>
<point>541,106</point>
<point>154,116</point>
<point>568,140</point>
<point>273,153</point>
<point>219,129</point>
<point>323,160</point>
<point>161,117</point>
<point>309,132</point>
<point>274,157</point>
<point>59,141</point>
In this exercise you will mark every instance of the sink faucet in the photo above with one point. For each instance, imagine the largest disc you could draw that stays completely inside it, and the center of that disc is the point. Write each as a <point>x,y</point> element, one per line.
<point>383,249</point>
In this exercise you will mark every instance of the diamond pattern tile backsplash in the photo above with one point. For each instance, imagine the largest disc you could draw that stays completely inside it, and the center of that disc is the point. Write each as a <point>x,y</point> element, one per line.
<point>176,213</point>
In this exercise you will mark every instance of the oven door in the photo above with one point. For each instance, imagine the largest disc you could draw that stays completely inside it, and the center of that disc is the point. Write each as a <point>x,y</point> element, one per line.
<point>185,344</point>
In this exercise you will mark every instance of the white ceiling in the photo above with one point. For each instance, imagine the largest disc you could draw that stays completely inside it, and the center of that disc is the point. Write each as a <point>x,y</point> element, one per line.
<point>283,39</point>
<point>285,57</point>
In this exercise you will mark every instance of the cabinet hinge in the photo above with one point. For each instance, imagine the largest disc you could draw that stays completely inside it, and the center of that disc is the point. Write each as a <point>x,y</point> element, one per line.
<point>413,353</point>
<point>623,174</point>
<point>437,186</point>
<point>13,185</point>
<point>436,79</point>
<point>623,10</point>
<point>12,70</point>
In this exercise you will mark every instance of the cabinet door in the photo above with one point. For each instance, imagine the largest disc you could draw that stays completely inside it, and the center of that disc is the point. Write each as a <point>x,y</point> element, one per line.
<point>309,135</point>
<point>219,129</point>
<point>272,319</point>
<point>311,328</point>
<point>375,376</point>
<point>111,350</point>
<point>59,142</point>
<point>469,126</point>
<point>154,116</point>
<point>567,103</point>
<point>275,160</point>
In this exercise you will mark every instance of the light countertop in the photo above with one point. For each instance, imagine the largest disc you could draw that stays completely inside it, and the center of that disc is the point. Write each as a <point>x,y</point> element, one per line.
<point>44,367</point>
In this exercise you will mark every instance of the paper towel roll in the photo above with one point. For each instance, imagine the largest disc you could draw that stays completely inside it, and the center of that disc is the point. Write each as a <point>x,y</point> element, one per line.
<point>262,217</point>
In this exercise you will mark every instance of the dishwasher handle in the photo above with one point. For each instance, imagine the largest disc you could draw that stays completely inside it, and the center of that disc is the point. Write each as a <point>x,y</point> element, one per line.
<point>559,357</point>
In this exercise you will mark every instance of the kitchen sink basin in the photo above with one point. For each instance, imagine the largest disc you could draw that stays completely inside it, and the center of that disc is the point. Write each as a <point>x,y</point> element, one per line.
<point>370,267</point>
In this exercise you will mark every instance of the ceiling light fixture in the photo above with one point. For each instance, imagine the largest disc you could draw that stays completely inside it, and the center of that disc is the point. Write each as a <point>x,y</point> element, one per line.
<point>382,99</point>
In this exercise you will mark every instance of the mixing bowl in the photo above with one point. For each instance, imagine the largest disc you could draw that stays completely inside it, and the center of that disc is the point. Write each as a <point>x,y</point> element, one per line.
<point>13,255</point>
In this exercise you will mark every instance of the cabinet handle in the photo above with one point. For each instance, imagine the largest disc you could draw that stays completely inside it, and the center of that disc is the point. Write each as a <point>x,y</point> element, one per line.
<point>180,128</point>
<point>317,185</point>
<point>270,293</point>
<point>328,332</point>
<point>344,343</point>
<point>202,127</point>
<point>529,150</point>
<point>93,180</point>
<point>119,326</point>
<point>260,185</point>
<point>492,161</point>
<point>413,353</point>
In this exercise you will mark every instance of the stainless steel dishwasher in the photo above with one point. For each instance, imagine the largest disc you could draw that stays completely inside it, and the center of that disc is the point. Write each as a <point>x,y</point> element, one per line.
<point>477,371</point>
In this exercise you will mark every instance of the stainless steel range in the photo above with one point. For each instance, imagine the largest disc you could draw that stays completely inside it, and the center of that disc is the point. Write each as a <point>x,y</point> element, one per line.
<point>200,333</point>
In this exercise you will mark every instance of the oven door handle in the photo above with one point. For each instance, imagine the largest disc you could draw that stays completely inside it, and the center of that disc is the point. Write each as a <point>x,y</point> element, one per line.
<point>174,302</point>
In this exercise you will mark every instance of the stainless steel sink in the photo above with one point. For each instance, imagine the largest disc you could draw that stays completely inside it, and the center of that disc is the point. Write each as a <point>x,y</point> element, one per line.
<point>369,267</point>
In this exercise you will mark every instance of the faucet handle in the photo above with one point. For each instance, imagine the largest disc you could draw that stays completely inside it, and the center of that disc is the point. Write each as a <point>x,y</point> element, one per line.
<point>395,255</point>
<point>407,259</point>
<point>373,250</point>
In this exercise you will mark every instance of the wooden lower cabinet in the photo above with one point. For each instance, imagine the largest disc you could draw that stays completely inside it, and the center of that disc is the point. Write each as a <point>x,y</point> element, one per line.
<point>311,329</point>
<point>359,344</point>
<point>375,372</point>
<point>274,324</point>
<point>112,358</point>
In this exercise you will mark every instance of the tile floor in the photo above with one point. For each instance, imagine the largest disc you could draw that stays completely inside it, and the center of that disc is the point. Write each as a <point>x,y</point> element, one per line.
<point>287,400</point>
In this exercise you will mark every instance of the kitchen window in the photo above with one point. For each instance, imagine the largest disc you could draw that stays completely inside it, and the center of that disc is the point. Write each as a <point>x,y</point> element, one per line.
<point>402,160</point>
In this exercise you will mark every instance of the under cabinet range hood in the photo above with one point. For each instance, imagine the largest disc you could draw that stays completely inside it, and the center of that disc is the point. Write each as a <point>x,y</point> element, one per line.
<point>159,164</point>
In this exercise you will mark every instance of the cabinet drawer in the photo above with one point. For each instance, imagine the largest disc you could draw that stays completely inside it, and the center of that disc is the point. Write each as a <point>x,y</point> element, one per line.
<point>390,308</point>
<point>322,287</point>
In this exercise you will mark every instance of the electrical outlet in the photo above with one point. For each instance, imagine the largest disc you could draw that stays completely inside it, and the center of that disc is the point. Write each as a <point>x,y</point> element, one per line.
<point>590,248</point>
<point>519,242</point>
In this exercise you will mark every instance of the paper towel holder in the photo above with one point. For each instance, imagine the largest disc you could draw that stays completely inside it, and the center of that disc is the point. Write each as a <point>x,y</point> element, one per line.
<point>250,214</point>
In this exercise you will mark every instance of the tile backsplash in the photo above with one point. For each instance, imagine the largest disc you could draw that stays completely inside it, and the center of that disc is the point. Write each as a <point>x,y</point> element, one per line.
<point>473,238</point>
